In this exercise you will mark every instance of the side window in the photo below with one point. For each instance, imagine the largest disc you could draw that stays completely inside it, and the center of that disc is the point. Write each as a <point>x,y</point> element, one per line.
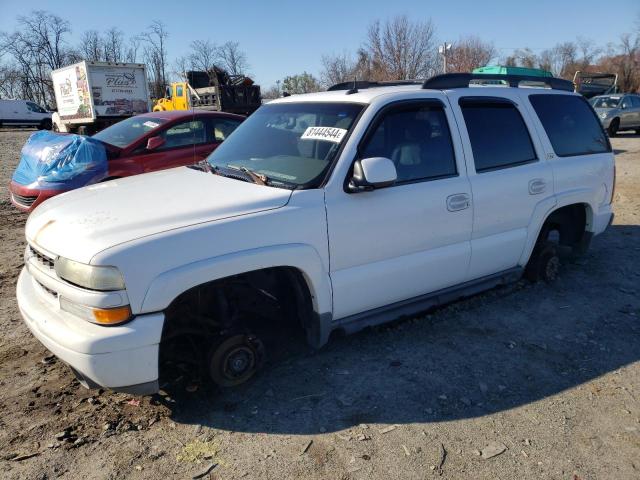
<point>417,139</point>
<point>626,102</point>
<point>499,137</point>
<point>179,90</point>
<point>635,101</point>
<point>184,134</point>
<point>571,124</point>
<point>221,128</point>
<point>33,107</point>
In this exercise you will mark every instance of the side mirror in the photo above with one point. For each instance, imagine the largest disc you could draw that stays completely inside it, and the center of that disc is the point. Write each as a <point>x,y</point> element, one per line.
<point>372,173</point>
<point>155,142</point>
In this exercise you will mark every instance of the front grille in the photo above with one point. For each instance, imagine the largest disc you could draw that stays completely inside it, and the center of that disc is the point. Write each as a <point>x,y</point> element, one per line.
<point>24,200</point>
<point>53,293</point>
<point>41,258</point>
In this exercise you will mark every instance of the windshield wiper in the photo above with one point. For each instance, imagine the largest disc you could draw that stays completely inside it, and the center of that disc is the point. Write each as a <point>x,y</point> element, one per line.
<point>257,178</point>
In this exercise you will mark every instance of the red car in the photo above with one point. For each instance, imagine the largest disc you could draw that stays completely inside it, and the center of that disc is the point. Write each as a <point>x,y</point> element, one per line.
<point>145,143</point>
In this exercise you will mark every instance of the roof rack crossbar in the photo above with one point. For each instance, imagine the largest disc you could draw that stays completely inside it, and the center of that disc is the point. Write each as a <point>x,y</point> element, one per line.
<point>461,80</point>
<point>362,84</point>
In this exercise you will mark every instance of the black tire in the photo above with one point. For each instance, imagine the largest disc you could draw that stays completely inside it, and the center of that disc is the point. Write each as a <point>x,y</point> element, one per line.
<point>544,263</point>
<point>45,124</point>
<point>613,127</point>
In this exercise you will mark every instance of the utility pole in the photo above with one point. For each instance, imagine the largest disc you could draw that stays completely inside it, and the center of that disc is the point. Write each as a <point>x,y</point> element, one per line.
<point>444,50</point>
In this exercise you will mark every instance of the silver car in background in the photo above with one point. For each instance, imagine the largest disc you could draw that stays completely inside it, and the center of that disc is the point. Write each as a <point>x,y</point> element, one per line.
<point>618,112</point>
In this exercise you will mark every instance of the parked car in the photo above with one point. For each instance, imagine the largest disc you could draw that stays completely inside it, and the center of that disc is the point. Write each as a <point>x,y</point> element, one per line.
<point>618,112</point>
<point>24,113</point>
<point>325,212</point>
<point>145,143</point>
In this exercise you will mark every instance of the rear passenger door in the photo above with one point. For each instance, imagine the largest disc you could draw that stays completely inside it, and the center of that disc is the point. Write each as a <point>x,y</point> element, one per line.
<point>510,178</point>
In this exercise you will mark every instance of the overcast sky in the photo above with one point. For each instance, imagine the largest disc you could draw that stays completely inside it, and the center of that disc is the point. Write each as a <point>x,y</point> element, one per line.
<point>287,37</point>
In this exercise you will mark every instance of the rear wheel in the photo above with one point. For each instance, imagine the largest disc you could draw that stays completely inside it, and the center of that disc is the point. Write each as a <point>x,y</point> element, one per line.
<point>613,127</point>
<point>544,263</point>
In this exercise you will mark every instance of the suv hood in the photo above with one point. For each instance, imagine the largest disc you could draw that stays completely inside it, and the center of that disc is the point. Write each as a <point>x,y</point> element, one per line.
<point>83,222</point>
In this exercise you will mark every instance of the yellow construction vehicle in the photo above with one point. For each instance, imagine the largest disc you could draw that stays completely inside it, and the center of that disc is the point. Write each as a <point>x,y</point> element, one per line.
<point>214,90</point>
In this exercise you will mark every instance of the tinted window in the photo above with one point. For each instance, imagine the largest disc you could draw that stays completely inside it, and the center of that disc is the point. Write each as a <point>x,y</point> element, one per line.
<point>417,139</point>
<point>222,128</point>
<point>571,124</point>
<point>635,101</point>
<point>123,133</point>
<point>185,133</point>
<point>626,102</point>
<point>499,137</point>
<point>35,108</point>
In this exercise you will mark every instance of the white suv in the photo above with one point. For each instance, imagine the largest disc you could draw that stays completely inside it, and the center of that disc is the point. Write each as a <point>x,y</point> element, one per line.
<point>334,210</point>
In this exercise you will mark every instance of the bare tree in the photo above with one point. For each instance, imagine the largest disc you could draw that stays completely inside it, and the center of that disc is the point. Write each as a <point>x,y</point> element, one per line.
<point>181,66</point>
<point>337,69</point>
<point>91,46</point>
<point>232,59</point>
<point>401,49</point>
<point>114,45</point>
<point>37,48</point>
<point>155,55</point>
<point>131,55</point>
<point>203,56</point>
<point>469,53</point>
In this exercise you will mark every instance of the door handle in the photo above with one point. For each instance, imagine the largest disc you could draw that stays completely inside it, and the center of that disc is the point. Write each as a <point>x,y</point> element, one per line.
<point>537,186</point>
<point>458,201</point>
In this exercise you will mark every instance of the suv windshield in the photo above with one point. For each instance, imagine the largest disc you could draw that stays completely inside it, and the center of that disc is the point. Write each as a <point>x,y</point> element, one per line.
<point>606,102</point>
<point>289,143</point>
<point>126,131</point>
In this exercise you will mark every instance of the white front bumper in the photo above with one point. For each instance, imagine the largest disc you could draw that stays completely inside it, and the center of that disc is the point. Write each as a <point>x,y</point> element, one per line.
<point>123,358</point>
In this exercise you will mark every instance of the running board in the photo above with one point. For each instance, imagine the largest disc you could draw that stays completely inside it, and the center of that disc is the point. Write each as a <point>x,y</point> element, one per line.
<point>412,306</point>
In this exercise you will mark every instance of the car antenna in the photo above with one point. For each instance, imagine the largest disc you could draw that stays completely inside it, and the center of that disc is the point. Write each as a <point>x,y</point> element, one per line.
<point>354,89</point>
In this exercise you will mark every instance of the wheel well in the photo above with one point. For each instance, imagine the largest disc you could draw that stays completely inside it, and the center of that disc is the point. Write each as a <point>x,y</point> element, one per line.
<point>566,226</point>
<point>261,302</point>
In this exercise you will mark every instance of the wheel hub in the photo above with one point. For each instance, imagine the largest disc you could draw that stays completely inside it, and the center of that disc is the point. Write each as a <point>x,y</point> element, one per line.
<point>235,360</point>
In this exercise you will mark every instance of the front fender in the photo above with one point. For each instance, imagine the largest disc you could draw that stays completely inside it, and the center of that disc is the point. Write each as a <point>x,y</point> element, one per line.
<point>168,285</point>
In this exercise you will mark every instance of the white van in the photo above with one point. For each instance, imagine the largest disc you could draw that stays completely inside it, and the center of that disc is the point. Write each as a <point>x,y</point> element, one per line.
<point>22,113</point>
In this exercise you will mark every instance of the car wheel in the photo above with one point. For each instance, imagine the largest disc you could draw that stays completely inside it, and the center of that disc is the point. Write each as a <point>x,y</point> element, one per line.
<point>544,263</point>
<point>613,127</point>
<point>235,359</point>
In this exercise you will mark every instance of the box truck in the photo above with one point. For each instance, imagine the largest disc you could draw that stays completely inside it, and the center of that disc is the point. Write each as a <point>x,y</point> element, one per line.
<point>93,95</point>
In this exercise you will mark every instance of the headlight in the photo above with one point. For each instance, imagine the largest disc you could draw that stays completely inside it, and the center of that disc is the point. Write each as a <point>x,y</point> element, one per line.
<point>89,276</point>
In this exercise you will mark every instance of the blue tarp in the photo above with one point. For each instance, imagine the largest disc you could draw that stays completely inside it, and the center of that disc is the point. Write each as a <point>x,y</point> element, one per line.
<point>53,161</point>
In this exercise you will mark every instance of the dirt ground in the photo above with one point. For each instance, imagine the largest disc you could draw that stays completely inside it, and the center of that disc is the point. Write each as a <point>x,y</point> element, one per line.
<point>547,375</point>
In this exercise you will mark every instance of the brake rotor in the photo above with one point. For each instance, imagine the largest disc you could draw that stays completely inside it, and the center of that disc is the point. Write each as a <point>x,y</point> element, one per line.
<point>235,360</point>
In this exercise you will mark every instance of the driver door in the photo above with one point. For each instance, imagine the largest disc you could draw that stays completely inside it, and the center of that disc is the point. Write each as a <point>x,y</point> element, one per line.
<point>412,238</point>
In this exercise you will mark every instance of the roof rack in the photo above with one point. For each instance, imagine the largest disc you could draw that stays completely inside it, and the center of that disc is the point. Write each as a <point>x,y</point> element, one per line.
<point>362,84</point>
<point>462,80</point>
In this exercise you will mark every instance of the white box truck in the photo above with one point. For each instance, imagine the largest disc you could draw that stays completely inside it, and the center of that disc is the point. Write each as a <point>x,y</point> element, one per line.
<point>93,95</point>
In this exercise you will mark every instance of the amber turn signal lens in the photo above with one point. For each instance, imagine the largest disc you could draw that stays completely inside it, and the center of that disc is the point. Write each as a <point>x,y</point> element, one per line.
<point>112,316</point>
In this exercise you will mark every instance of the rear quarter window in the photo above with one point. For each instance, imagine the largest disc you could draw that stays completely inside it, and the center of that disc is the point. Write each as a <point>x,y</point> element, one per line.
<point>571,125</point>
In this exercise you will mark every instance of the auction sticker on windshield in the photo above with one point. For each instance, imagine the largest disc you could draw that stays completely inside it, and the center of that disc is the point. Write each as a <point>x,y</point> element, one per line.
<point>330,134</point>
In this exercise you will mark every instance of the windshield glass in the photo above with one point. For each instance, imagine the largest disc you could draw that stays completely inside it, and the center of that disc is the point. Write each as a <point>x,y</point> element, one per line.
<point>123,133</point>
<point>606,102</point>
<point>292,143</point>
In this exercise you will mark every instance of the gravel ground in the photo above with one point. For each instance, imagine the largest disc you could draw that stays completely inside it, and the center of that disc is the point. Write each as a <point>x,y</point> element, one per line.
<point>527,381</point>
